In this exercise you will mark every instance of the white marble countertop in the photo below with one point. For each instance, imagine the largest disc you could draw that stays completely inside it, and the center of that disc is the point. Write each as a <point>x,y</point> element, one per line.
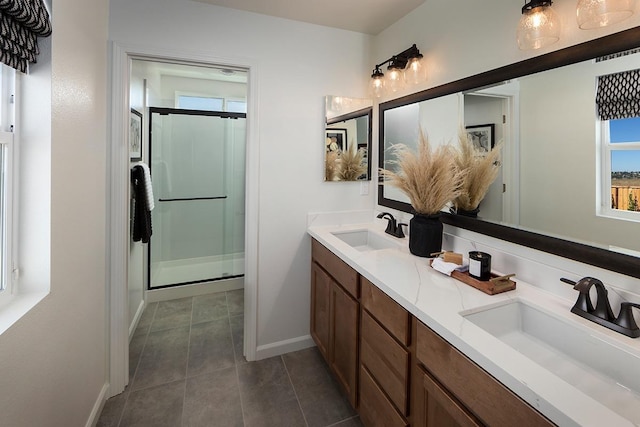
<point>437,300</point>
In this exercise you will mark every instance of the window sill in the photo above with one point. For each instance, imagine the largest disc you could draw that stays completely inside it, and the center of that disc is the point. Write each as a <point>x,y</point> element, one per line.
<point>17,306</point>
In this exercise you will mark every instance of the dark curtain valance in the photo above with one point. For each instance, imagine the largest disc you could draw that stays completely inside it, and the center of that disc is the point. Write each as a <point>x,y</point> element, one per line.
<point>618,95</point>
<point>21,22</point>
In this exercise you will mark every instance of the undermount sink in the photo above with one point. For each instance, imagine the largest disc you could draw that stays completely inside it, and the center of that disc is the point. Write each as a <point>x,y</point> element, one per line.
<point>366,240</point>
<point>600,369</point>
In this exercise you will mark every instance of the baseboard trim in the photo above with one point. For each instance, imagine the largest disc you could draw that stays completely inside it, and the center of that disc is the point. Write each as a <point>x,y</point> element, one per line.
<point>165,294</point>
<point>98,406</point>
<point>136,319</point>
<point>282,347</point>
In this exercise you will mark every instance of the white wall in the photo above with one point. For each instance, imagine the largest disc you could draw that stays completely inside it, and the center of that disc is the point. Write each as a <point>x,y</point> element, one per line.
<point>294,74</point>
<point>460,39</point>
<point>52,367</point>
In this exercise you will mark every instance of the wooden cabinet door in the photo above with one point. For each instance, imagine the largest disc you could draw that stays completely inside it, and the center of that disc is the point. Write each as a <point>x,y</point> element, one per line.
<point>344,348</point>
<point>321,286</point>
<point>436,407</point>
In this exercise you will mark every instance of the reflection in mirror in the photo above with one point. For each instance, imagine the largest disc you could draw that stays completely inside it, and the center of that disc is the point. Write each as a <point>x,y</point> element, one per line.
<point>438,119</point>
<point>556,177</point>
<point>347,138</point>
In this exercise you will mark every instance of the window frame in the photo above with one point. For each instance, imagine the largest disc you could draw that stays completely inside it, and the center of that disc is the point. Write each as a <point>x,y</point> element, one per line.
<point>9,101</point>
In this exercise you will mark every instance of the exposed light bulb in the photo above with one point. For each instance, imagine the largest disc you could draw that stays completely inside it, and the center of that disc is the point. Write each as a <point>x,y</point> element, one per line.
<point>600,13</point>
<point>394,80</point>
<point>415,73</point>
<point>376,84</point>
<point>538,27</point>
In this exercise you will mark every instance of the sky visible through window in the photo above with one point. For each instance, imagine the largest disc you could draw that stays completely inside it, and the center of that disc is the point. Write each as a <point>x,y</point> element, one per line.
<point>621,131</point>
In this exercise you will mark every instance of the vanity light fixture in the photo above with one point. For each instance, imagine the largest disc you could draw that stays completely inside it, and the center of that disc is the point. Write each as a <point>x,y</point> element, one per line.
<point>405,67</point>
<point>539,25</point>
<point>600,13</point>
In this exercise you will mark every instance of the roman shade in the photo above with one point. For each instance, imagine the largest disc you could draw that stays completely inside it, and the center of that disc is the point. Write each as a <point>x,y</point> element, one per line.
<point>21,22</point>
<point>618,95</point>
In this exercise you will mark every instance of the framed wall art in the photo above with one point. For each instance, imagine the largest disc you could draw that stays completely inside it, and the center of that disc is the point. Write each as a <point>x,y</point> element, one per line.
<point>135,136</point>
<point>482,136</point>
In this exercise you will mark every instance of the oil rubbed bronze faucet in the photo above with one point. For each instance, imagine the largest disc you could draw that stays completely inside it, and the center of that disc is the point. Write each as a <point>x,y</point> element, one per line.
<point>602,314</point>
<point>393,228</point>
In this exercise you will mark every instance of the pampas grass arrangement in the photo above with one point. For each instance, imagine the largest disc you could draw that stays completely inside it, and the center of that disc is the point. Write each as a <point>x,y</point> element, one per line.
<point>480,170</point>
<point>351,163</point>
<point>331,166</point>
<point>428,177</point>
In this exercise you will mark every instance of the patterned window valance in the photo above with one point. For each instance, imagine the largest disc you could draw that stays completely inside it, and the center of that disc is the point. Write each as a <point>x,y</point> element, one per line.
<point>617,55</point>
<point>618,95</point>
<point>21,22</point>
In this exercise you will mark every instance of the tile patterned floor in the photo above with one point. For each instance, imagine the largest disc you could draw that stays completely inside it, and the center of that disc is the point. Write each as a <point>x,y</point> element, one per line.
<point>186,369</point>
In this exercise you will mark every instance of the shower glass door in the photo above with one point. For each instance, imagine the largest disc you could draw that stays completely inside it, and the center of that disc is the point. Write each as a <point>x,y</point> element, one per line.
<point>198,176</point>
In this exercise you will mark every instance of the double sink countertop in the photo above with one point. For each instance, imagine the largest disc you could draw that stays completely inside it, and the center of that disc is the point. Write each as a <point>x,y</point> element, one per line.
<point>573,371</point>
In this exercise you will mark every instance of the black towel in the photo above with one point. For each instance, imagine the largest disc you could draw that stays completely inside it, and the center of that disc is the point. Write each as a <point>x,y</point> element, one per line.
<point>141,213</point>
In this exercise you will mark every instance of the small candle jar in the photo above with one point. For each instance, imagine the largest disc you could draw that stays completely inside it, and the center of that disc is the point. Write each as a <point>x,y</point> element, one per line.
<point>480,265</point>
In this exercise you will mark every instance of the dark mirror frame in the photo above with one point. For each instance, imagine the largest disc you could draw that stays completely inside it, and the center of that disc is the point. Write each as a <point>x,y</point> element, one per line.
<point>368,112</point>
<point>598,257</point>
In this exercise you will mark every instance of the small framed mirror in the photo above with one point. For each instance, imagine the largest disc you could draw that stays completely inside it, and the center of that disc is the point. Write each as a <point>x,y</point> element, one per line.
<point>347,138</point>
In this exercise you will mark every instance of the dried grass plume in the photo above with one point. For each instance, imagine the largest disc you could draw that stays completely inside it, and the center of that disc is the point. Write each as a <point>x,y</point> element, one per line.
<point>429,177</point>
<point>352,163</point>
<point>481,169</point>
<point>331,166</point>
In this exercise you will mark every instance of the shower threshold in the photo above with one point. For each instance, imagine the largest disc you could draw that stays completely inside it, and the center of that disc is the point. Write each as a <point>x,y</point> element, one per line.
<point>196,270</point>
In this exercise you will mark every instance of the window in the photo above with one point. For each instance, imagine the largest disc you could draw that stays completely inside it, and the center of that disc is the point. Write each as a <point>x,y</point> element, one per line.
<point>621,145</point>
<point>7,112</point>
<point>236,106</point>
<point>618,105</point>
<point>208,103</point>
<point>200,103</point>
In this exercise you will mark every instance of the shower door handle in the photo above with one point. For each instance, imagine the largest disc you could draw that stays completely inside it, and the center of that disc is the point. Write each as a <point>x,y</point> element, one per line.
<point>185,199</point>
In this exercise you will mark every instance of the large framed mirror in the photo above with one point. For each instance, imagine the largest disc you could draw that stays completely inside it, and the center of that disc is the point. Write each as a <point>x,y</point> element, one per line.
<point>347,138</point>
<point>549,194</point>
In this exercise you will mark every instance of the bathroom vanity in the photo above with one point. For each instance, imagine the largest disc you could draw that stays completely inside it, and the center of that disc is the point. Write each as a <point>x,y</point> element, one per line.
<point>411,346</point>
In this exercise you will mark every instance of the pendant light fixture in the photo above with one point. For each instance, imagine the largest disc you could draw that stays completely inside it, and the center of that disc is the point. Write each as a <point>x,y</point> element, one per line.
<point>600,13</point>
<point>407,67</point>
<point>539,25</point>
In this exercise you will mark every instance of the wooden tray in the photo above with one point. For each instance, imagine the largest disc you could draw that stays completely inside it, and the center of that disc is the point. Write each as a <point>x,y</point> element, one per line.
<point>488,287</point>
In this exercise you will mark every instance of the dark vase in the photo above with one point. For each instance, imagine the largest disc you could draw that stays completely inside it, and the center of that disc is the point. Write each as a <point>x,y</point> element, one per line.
<point>425,234</point>
<point>472,213</point>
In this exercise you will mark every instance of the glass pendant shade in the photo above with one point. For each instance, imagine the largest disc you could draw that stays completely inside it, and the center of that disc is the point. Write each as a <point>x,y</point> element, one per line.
<point>394,80</point>
<point>538,27</point>
<point>415,72</point>
<point>376,84</point>
<point>600,13</point>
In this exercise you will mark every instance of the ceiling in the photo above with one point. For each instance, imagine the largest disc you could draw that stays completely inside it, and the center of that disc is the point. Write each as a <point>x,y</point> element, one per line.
<point>363,16</point>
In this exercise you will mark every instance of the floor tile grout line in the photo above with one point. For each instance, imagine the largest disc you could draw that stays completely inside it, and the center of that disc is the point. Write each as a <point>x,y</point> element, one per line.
<point>342,421</point>
<point>235,360</point>
<point>186,367</point>
<point>294,390</point>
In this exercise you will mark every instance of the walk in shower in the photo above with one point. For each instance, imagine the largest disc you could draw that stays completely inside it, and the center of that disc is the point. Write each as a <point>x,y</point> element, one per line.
<point>198,175</point>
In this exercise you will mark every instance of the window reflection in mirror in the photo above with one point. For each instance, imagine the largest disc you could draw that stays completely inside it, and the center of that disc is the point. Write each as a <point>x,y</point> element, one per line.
<point>347,139</point>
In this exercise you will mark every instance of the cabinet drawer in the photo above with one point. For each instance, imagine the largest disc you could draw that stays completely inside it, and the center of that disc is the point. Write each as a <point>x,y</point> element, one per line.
<point>386,360</point>
<point>346,276</point>
<point>375,410</point>
<point>482,394</point>
<point>388,312</point>
<point>440,408</point>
